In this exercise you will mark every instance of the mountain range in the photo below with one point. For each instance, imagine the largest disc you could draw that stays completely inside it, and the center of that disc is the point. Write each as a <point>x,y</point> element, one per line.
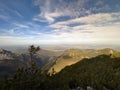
<point>47,60</point>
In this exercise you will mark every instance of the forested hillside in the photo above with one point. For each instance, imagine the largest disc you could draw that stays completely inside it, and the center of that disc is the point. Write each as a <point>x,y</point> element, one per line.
<point>100,73</point>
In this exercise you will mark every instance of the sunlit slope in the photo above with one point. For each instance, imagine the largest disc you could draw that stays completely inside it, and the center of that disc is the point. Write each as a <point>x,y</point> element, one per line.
<point>101,73</point>
<point>72,56</point>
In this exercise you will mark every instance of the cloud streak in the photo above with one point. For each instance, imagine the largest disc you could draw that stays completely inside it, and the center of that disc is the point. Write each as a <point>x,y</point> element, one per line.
<point>52,9</point>
<point>4,17</point>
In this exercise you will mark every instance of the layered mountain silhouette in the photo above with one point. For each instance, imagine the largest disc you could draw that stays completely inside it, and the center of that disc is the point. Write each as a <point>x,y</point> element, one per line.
<point>47,60</point>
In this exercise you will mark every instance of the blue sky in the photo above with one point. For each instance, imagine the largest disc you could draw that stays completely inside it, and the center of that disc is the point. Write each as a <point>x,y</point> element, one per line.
<point>24,22</point>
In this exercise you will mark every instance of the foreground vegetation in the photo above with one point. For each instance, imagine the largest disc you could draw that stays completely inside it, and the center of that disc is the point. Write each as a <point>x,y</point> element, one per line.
<point>101,73</point>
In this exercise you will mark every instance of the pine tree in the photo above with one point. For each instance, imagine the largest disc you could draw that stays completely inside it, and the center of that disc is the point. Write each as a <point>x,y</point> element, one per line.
<point>32,51</point>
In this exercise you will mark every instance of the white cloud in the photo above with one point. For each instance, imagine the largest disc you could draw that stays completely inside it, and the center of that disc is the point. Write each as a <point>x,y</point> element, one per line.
<point>52,9</point>
<point>21,25</point>
<point>97,28</point>
<point>90,35</point>
<point>99,18</point>
<point>92,24</point>
<point>4,17</point>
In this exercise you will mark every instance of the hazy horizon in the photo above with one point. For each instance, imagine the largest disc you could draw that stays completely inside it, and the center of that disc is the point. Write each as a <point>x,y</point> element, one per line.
<point>58,47</point>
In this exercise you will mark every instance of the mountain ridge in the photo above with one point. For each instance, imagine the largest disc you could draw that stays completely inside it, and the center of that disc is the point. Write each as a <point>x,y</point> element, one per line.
<point>72,56</point>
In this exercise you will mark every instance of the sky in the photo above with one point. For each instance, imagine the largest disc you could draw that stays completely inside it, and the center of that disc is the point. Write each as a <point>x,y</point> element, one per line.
<point>24,22</point>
